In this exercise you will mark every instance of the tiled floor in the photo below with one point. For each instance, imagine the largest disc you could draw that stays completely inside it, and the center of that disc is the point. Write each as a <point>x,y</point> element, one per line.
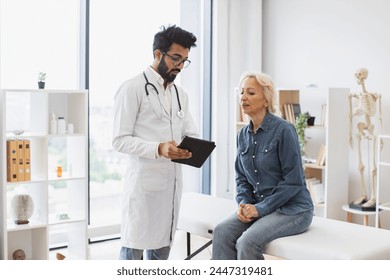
<point>109,250</point>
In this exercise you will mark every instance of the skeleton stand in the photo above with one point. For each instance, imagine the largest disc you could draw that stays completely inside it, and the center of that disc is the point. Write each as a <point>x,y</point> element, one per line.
<point>365,105</point>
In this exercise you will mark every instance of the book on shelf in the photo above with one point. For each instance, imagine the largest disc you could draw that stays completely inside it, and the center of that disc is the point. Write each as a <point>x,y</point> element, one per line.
<point>309,184</point>
<point>290,112</point>
<point>309,181</point>
<point>323,115</point>
<point>284,111</point>
<point>296,110</point>
<point>18,160</point>
<point>27,159</point>
<point>318,193</point>
<point>12,166</point>
<point>321,155</point>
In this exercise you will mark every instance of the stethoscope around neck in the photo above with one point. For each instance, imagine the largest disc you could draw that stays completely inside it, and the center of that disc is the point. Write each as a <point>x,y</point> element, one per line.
<point>180,112</point>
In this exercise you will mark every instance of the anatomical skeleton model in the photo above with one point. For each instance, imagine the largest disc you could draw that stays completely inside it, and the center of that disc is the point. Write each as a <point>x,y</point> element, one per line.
<point>364,105</point>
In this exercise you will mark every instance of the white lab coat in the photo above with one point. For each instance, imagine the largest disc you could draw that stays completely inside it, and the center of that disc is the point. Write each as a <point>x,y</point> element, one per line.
<point>152,185</point>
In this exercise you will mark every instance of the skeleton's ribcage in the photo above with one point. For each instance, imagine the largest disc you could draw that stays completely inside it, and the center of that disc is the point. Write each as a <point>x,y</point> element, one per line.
<point>366,105</point>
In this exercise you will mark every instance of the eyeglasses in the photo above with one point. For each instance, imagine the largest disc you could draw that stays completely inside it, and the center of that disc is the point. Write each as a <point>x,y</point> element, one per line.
<point>177,60</point>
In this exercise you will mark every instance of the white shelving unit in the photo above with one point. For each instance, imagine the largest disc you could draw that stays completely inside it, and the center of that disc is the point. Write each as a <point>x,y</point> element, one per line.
<point>334,175</point>
<point>337,154</point>
<point>383,157</point>
<point>60,203</point>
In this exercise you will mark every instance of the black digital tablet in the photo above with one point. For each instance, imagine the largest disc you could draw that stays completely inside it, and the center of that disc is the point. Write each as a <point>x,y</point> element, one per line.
<point>200,149</point>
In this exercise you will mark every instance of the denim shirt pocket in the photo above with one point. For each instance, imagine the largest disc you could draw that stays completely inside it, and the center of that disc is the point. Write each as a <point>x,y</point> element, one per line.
<point>269,147</point>
<point>268,156</point>
<point>242,150</point>
<point>243,155</point>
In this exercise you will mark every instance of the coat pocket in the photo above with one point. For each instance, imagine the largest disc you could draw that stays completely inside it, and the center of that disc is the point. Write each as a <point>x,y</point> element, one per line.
<point>155,177</point>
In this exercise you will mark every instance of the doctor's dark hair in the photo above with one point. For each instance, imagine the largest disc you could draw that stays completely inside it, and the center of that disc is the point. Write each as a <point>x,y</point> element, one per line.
<point>164,39</point>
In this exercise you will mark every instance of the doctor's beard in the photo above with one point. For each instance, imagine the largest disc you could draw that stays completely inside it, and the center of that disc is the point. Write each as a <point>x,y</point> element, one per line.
<point>168,75</point>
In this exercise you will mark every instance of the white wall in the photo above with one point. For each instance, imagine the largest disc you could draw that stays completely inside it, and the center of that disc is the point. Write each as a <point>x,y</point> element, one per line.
<point>236,48</point>
<point>323,42</point>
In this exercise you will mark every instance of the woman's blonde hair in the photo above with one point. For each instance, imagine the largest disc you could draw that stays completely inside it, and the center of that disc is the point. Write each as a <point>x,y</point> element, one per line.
<point>266,83</point>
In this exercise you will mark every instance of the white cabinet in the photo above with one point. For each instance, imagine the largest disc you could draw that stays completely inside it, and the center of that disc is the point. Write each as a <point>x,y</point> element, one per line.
<point>60,203</point>
<point>335,174</point>
<point>382,194</point>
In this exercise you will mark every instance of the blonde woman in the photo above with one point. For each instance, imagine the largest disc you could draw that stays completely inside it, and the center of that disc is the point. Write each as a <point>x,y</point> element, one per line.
<point>272,197</point>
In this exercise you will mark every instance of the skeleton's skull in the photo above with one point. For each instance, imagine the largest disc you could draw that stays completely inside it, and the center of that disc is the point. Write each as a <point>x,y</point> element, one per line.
<point>361,74</point>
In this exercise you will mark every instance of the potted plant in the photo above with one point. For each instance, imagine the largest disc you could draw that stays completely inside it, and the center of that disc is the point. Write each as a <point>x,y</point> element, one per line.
<point>300,126</point>
<point>41,80</point>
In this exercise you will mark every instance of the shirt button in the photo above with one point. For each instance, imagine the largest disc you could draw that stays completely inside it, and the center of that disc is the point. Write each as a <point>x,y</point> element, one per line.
<point>266,150</point>
<point>253,156</point>
<point>255,142</point>
<point>262,196</point>
<point>257,183</point>
<point>255,170</point>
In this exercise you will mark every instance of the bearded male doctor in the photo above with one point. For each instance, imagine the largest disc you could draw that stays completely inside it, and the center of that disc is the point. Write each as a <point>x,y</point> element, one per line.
<point>151,116</point>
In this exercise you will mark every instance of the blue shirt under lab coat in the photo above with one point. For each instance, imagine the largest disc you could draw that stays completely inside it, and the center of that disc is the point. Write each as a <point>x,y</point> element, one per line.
<point>269,170</point>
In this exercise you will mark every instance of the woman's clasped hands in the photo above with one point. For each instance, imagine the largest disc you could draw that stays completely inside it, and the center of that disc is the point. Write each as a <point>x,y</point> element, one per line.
<point>247,212</point>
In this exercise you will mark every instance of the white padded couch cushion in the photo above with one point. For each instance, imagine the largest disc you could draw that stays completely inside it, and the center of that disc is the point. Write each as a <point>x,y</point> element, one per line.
<point>329,239</point>
<point>200,213</point>
<point>326,239</point>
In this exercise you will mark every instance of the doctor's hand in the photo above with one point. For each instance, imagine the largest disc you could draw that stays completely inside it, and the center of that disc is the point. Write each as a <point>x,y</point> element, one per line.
<point>170,150</point>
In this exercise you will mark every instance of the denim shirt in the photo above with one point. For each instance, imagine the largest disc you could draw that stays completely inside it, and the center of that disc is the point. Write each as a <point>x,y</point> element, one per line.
<point>269,170</point>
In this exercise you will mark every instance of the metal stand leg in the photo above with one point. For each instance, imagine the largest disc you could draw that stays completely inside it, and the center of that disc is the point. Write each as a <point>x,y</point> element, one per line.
<point>199,250</point>
<point>189,255</point>
<point>188,243</point>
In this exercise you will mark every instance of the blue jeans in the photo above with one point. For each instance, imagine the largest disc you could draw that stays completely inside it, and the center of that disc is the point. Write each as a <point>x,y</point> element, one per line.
<point>136,254</point>
<point>235,240</point>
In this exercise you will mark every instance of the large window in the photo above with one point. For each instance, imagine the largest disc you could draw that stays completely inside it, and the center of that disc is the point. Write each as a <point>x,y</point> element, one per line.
<point>47,35</point>
<point>39,35</point>
<point>121,37</point>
